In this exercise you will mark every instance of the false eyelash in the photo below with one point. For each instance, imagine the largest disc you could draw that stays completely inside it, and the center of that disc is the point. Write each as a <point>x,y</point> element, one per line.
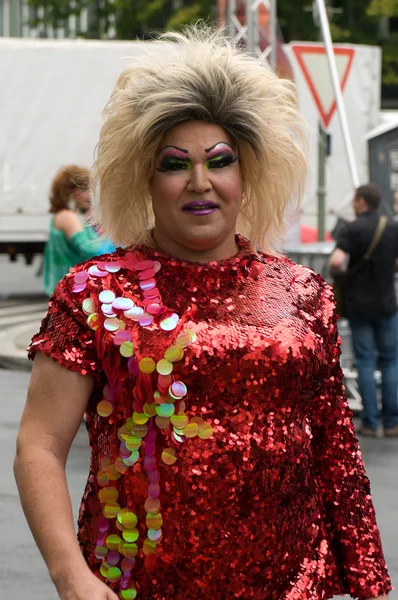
<point>222,161</point>
<point>171,164</point>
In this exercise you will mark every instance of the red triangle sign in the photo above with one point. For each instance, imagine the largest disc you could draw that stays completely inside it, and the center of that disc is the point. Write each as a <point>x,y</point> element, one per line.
<point>312,60</point>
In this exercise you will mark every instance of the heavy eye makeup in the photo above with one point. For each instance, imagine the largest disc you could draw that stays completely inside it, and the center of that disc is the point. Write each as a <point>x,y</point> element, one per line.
<point>220,155</point>
<point>175,159</point>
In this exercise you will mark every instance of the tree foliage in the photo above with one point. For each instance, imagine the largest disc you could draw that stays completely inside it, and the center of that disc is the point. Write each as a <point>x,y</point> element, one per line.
<point>354,21</point>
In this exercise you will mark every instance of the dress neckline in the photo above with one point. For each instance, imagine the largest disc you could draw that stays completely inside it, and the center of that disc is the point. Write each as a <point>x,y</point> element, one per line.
<point>245,254</point>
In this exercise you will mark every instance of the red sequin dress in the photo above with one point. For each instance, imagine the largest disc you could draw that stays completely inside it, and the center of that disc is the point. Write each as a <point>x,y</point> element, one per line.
<point>224,460</point>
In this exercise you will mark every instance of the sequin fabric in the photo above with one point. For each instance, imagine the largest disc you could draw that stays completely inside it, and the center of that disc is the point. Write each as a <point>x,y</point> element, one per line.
<point>224,460</point>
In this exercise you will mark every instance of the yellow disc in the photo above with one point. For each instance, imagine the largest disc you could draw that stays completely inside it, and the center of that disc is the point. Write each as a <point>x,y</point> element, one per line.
<point>111,510</point>
<point>200,423</point>
<point>127,518</point>
<point>191,430</point>
<point>119,526</point>
<point>130,535</point>
<point>104,569</point>
<point>150,409</point>
<point>152,505</point>
<point>147,365</point>
<point>108,494</point>
<point>128,550</point>
<point>102,478</point>
<point>105,462</point>
<point>185,339</point>
<point>120,466</point>
<point>104,408</point>
<point>124,432</point>
<point>114,574</point>
<point>206,432</point>
<point>149,547</point>
<point>174,354</point>
<point>164,367</point>
<point>169,456</point>
<point>179,421</point>
<point>127,349</point>
<point>129,594</point>
<point>88,306</point>
<point>112,473</point>
<point>162,422</point>
<point>139,418</point>
<point>133,442</point>
<point>94,321</point>
<point>113,541</point>
<point>140,430</point>
<point>154,521</point>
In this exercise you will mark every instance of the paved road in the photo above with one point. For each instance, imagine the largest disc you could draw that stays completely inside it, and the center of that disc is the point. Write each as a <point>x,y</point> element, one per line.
<point>22,572</point>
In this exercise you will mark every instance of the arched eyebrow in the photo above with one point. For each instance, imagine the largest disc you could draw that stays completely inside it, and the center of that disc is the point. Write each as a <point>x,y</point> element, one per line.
<point>208,150</point>
<point>183,150</point>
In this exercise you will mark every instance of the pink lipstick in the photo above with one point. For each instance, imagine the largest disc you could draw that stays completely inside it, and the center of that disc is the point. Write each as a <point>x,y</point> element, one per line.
<point>200,208</point>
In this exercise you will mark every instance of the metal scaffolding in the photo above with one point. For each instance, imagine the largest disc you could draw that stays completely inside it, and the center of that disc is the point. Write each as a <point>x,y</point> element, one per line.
<point>254,24</point>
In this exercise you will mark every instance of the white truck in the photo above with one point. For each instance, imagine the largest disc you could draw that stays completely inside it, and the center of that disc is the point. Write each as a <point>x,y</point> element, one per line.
<point>52,93</point>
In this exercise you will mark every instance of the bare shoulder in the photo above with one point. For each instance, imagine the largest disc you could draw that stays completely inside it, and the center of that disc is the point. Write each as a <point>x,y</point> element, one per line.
<point>68,222</point>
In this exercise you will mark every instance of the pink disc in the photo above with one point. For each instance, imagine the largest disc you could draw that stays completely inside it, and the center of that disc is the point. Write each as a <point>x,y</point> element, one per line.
<point>157,266</point>
<point>101,265</point>
<point>81,277</point>
<point>154,476</point>
<point>131,260</point>
<point>143,265</point>
<point>147,274</point>
<point>123,303</point>
<point>149,463</point>
<point>154,309</point>
<point>79,287</point>
<point>107,310</point>
<point>103,525</point>
<point>112,267</point>
<point>122,336</point>
<point>145,320</point>
<point>95,272</point>
<point>154,490</point>
<point>149,301</point>
<point>147,284</point>
<point>113,557</point>
<point>153,293</point>
<point>106,296</point>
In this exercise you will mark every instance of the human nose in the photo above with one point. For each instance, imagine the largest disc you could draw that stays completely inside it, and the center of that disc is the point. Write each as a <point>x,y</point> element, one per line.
<point>199,181</point>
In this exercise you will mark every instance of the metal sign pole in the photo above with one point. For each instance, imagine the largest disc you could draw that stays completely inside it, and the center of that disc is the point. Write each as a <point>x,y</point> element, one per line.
<point>273,32</point>
<point>323,17</point>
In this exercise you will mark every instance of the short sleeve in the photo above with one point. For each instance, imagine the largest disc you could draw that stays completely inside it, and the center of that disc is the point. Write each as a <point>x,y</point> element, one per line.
<point>65,336</point>
<point>344,239</point>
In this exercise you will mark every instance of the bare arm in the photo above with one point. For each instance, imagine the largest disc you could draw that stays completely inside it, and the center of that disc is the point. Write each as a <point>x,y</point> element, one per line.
<point>57,399</point>
<point>337,262</point>
<point>68,222</point>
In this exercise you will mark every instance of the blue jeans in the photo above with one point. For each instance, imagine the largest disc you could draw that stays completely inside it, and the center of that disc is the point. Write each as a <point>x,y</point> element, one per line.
<point>375,344</point>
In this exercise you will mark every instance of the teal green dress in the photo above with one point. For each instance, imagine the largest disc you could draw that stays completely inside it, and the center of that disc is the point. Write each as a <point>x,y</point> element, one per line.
<point>61,254</point>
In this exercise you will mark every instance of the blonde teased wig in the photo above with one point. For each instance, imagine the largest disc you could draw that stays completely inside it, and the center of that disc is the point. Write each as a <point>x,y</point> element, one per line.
<point>199,75</point>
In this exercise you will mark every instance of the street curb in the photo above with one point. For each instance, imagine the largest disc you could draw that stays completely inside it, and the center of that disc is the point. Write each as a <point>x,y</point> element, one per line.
<point>13,343</point>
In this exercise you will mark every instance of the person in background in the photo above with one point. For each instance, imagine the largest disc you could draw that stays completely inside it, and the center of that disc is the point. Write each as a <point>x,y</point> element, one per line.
<point>71,239</point>
<point>371,307</point>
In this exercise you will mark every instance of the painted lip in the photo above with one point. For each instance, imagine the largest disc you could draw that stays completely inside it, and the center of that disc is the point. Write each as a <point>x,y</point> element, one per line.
<point>200,208</point>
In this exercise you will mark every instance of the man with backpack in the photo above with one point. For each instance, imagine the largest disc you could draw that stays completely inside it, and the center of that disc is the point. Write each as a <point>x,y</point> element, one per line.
<point>370,243</point>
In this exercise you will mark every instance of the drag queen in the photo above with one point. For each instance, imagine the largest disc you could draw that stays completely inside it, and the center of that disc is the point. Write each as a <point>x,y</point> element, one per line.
<point>224,461</point>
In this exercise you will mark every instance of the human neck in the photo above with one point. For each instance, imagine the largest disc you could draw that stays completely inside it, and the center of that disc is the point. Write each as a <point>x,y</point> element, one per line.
<point>226,249</point>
